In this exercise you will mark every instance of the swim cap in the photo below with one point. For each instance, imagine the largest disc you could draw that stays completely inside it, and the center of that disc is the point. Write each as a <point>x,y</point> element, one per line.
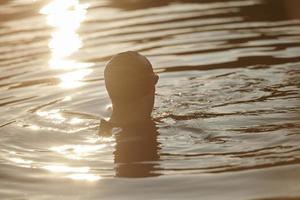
<point>128,75</point>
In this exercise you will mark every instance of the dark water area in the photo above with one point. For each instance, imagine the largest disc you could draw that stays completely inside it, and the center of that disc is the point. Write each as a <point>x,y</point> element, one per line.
<point>227,110</point>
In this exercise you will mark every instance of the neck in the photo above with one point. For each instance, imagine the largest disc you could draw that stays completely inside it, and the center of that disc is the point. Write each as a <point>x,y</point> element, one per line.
<point>138,111</point>
<point>129,115</point>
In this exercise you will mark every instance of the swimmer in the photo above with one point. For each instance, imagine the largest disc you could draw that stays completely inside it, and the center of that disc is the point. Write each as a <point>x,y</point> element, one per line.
<point>130,83</point>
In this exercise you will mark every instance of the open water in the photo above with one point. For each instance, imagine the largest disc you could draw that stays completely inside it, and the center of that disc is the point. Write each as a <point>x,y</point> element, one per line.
<point>227,106</point>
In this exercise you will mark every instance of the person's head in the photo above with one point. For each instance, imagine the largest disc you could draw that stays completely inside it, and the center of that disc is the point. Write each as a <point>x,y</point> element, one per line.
<point>130,83</point>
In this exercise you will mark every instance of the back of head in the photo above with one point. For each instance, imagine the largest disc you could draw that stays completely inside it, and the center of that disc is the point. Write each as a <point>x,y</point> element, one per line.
<point>128,76</point>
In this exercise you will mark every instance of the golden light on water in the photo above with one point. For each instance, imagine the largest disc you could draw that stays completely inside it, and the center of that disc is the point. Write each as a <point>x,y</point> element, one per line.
<point>54,115</point>
<point>63,44</point>
<point>77,152</point>
<point>34,127</point>
<point>67,98</point>
<point>73,79</point>
<point>86,177</point>
<point>21,162</point>
<point>75,173</point>
<point>66,16</point>
<point>75,120</point>
<point>66,169</point>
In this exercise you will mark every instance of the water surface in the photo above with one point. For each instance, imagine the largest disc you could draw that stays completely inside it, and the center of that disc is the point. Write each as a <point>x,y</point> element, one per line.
<point>227,108</point>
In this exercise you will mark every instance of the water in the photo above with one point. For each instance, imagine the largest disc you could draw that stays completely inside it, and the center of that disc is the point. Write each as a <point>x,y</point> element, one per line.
<point>227,103</point>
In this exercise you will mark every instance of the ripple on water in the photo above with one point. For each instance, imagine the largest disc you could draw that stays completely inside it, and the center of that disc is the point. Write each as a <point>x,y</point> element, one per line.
<point>228,123</point>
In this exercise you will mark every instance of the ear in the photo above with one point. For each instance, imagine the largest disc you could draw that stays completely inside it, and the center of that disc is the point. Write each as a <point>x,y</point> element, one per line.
<point>156,77</point>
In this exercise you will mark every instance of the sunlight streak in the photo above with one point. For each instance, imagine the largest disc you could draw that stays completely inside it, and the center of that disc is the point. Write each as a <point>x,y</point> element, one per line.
<point>66,169</point>
<point>66,16</point>
<point>73,79</point>
<point>21,162</point>
<point>67,98</point>
<point>77,152</point>
<point>75,120</point>
<point>85,177</point>
<point>75,173</point>
<point>54,115</point>
<point>34,127</point>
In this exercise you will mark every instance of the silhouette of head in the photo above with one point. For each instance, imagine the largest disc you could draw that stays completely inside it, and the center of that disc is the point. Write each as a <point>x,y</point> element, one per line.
<point>130,83</point>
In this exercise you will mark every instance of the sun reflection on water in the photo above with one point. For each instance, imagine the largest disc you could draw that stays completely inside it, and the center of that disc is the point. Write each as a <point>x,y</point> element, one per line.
<point>54,115</point>
<point>77,152</point>
<point>86,177</point>
<point>72,79</point>
<point>34,127</point>
<point>21,162</point>
<point>66,16</point>
<point>75,173</point>
<point>66,169</point>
